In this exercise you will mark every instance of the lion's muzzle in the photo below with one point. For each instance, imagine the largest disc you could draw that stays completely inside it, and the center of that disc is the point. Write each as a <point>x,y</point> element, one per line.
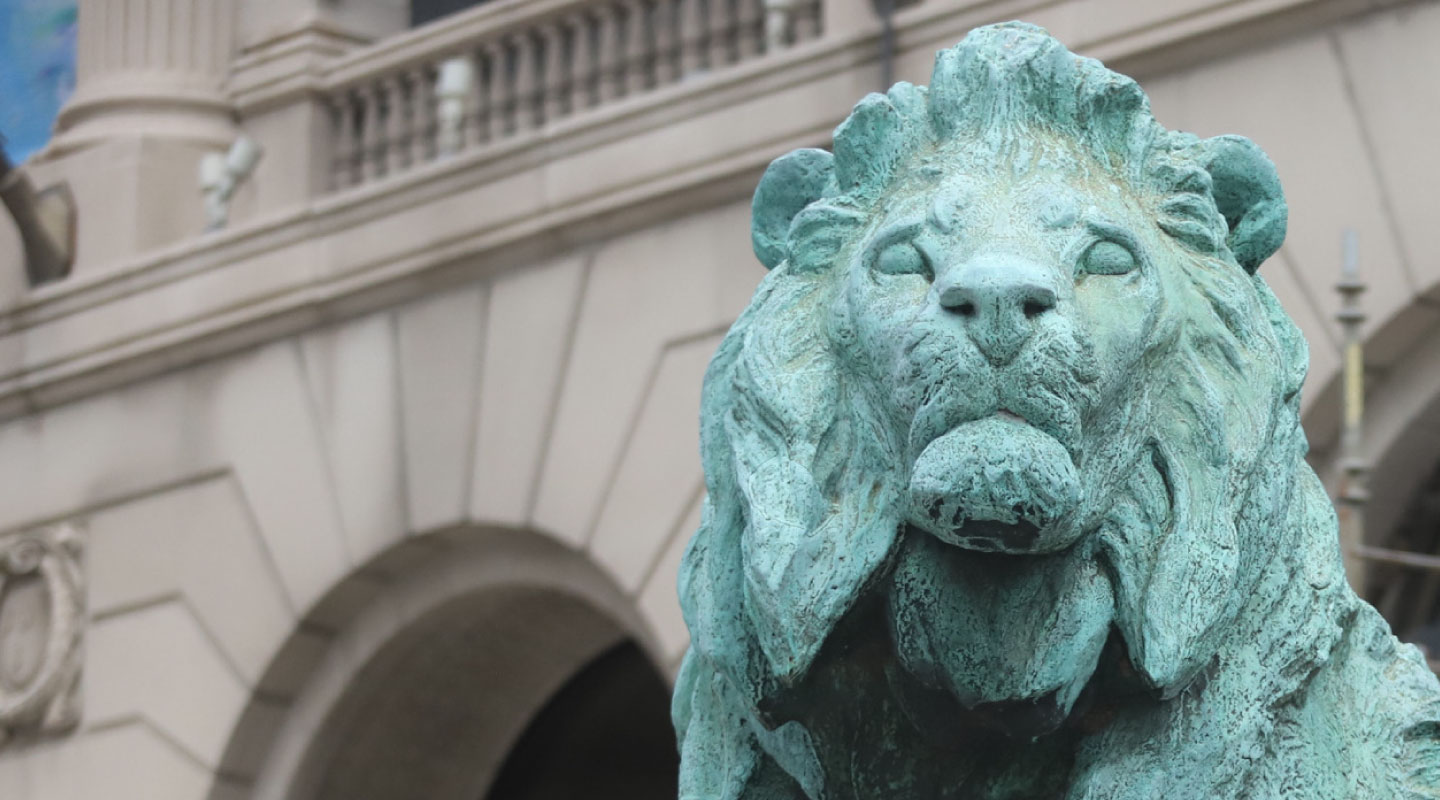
<point>999,300</point>
<point>996,484</point>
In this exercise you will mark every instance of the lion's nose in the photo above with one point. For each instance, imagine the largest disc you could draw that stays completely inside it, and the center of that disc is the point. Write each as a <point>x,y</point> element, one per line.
<point>999,301</point>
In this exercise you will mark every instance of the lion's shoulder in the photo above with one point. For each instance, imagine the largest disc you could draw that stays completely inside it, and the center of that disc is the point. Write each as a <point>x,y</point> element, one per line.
<point>1371,716</point>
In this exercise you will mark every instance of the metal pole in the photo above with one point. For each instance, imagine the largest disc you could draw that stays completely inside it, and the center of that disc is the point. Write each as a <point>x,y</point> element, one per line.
<point>1355,470</point>
<point>886,10</point>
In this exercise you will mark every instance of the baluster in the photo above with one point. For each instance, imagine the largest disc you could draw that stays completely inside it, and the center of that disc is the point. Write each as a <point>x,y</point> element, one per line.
<point>394,125</point>
<point>750,28</point>
<point>497,90</point>
<point>692,27</point>
<point>473,131</point>
<point>809,20</point>
<point>370,134</point>
<point>557,82</point>
<point>480,120</point>
<point>582,64</point>
<point>719,34</point>
<point>778,14</point>
<point>525,82</point>
<point>484,107</point>
<point>610,69</point>
<point>343,118</point>
<point>667,43</point>
<point>421,115</point>
<point>639,52</point>
<point>454,89</point>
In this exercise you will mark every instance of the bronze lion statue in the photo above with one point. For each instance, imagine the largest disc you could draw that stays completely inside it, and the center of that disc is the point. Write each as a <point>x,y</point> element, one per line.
<point>1006,489</point>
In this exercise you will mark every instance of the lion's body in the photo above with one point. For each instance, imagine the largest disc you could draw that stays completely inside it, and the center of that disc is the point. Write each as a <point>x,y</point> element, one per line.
<point>1006,488</point>
<point>1331,708</point>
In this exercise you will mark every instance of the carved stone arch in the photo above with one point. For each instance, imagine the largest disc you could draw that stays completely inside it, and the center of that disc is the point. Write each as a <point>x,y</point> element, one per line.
<point>427,665</point>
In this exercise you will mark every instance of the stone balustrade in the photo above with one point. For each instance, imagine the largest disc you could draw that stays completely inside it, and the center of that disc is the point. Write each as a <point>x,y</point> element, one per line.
<point>523,71</point>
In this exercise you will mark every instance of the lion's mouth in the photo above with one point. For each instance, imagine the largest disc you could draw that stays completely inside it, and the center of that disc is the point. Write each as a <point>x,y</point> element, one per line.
<point>993,536</point>
<point>996,484</point>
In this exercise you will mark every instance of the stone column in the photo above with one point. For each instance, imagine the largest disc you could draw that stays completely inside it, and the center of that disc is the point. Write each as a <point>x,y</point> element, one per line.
<point>150,100</point>
<point>149,68</point>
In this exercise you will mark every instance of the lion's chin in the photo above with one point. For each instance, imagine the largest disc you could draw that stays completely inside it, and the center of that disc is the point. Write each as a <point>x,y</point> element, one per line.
<point>996,484</point>
<point>1013,641</point>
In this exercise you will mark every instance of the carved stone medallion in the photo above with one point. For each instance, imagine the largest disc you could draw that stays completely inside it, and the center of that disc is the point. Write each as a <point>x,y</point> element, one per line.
<point>42,617</point>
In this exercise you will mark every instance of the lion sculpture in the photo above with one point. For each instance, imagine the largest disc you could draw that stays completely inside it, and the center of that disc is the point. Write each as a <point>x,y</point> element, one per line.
<point>1006,489</point>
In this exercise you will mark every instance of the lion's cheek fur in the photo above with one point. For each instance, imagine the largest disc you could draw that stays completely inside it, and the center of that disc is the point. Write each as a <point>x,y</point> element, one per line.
<point>996,629</point>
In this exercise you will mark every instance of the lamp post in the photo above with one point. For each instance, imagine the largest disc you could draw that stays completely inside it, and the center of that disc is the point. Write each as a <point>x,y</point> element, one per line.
<point>1355,470</point>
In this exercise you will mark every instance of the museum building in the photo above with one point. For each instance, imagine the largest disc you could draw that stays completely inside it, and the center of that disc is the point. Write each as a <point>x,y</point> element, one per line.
<point>351,351</point>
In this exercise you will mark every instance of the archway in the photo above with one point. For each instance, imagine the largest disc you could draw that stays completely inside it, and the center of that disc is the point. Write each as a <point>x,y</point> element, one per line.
<point>467,658</point>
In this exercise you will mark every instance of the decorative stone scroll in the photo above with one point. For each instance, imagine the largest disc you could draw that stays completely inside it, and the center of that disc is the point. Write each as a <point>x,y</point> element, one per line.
<point>1006,489</point>
<point>42,617</point>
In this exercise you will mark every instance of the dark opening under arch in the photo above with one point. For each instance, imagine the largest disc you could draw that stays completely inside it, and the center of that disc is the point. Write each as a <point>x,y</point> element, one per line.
<point>423,11</point>
<point>605,733</point>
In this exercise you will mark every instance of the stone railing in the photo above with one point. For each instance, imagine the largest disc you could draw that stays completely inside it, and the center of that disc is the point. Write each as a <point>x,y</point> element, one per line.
<point>509,70</point>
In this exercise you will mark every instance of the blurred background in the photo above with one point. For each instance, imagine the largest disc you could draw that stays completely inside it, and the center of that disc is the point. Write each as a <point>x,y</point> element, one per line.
<point>351,350</point>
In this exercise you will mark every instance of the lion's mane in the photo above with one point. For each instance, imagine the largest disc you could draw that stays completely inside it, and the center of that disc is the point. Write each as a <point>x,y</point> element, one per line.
<point>1220,544</point>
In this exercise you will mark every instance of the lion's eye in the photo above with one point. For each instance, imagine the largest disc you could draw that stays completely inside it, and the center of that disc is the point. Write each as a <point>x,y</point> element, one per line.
<point>1107,258</point>
<point>902,258</point>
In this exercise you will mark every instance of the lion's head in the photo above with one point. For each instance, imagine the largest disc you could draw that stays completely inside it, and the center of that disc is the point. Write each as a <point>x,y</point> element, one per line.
<point>1013,368</point>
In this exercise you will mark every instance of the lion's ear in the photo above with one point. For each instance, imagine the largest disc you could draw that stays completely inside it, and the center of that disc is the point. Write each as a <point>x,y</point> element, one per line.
<point>1247,194</point>
<point>791,183</point>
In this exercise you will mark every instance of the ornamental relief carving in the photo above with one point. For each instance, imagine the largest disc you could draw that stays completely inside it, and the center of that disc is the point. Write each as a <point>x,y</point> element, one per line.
<point>42,621</point>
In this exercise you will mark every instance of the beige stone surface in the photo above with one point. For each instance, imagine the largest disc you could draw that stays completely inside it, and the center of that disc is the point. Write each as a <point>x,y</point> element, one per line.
<point>529,333</point>
<point>159,664</point>
<point>393,236</point>
<point>655,482</point>
<point>113,446</point>
<point>670,274</point>
<point>289,173</point>
<point>196,545</point>
<point>134,195</point>
<point>844,18</point>
<point>275,270</point>
<point>352,372</point>
<point>1390,61</point>
<point>266,428</point>
<point>440,362</point>
<point>128,761</point>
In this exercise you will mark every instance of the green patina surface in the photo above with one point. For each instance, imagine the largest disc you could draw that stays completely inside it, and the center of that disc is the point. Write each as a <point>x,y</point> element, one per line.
<point>1006,489</point>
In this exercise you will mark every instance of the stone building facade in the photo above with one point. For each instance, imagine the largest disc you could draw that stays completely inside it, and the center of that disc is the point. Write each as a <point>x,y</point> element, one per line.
<point>378,489</point>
